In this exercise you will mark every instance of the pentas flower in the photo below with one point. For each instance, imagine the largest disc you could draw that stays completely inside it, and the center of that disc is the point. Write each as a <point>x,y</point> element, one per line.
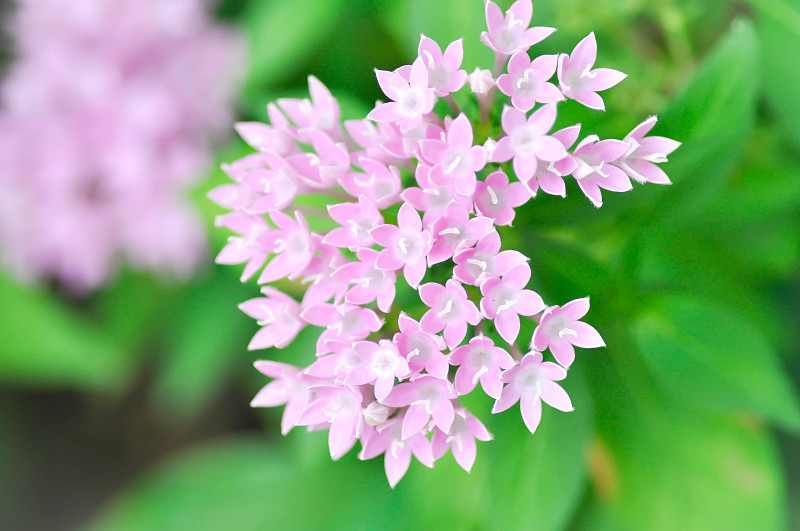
<point>410,191</point>
<point>578,81</point>
<point>527,81</point>
<point>560,328</point>
<point>529,383</point>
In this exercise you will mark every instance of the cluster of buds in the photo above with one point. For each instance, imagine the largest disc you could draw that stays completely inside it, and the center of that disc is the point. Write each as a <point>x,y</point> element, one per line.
<point>410,192</point>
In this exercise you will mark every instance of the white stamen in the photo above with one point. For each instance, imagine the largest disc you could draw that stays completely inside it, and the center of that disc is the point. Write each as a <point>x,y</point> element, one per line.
<point>454,164</point>
<point>567,332</point>
<point>365,183</point>
<point>457,439</point>
<point>402,244</point>
<point>480,263</point>
<point>306,107</point>
<point>413,353</point>
<point>492,195</point>
<point>599,169</point>
<point>280,246</point>
<point>269,319</point>
<point>451,230</point>
<point>431,191</point>
<point>551,167</point>
<point>484,369</point>
<point>426,403</point>
<point>655,157</point>
<point>506,305</point>
<point>448,307</point>
<point>429,57</point>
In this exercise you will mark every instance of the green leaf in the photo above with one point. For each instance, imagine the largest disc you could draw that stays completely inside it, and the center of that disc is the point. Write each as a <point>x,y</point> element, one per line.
<point>779,32</point>
<point>443,21</point>
<point>662,466</point>
<point>281,34</point>
<point>45,344</point>
<point>207,342</point>
<point>713,118</point>
<point>709,356</point>
<point>247,485</point>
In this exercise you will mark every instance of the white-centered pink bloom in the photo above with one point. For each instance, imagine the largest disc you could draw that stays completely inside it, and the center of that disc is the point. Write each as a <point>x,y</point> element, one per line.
<point>530,383</point>
<point>460,440</point>
<point>527,81</point>
<point>426,397</point>
<point>505,299</point>
<point>277,314</point>
<point>456,230</point>
<point>450,309</point>
<point>482,361</point>
<point>577,79</point>
<point>292,245</point>
<point>338,407</point>
<point>370,283</point>
<point>527,141</point>
<point>455,160</point>
<point>594,169</point>
<point>290,387</point>
<point>382,363</point>
<point>644,153</point>
<point>444,69</point>
<point>549,176</point>
<point>476,265</point>
<point>357,219</point>
<point>560,328</point>
<point>406,245</point>
<point>411,98</point>
<point>321,112</point>
<point>496,198</point>
<point>510,33</point>
<point>423,350</point>
<point>387,439</point>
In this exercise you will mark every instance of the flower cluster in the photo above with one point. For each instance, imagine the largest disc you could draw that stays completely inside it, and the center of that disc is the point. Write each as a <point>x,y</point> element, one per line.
<point>105,123</point>
<point>411,194</point>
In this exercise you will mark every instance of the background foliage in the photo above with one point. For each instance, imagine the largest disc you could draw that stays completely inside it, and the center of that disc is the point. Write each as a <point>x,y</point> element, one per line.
<point>129,410</point>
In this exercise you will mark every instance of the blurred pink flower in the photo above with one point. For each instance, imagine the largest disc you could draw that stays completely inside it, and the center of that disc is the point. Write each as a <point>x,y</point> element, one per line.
<point>105,123</point>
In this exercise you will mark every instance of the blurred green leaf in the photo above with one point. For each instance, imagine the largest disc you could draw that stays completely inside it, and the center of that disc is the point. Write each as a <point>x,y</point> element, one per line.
<point>281,34</point>
<point>779,32</point>
<point>662,466</point>
<point>695,472</point>
<point>45,344</point>
<point>246,485</point>
<point>207,341</point>
<point>712,117</point>
<point>443,21</point>
<point>711,357</point>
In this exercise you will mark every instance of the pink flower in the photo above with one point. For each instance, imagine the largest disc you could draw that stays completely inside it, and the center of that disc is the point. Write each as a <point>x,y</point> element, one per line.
<point>505,299</point>
<point>423,350</point>
<point>387,439</point>
<point>594,171</point>
<point>411,98</point>
<point>560,329</point>
<point>430,197</point>
<point>277,314</point>
<point>510,33</point>
<point>406,245</point>
<point>292,245</point>
<point>357,219</point>
<point>497,199</point>
<point>320,112</point>
<point>639,162</point>
<point>480,360</point>
<point>290,387</point>
<point>425,397</point>
<point>529,383</point>
<point>339,407</point>
<point>460,439</point>
<point>369,281</point>
<point>549,176</point>
<point>527,141</point>
<point>578,81</point>
<point>526,81</point>
<point>444,70</point>
<point>378,182</point>
<point>485,261</point>
<point>455,159</point>
<point>456,230</point>
<point>382,363</point>
<point>450,309</point>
